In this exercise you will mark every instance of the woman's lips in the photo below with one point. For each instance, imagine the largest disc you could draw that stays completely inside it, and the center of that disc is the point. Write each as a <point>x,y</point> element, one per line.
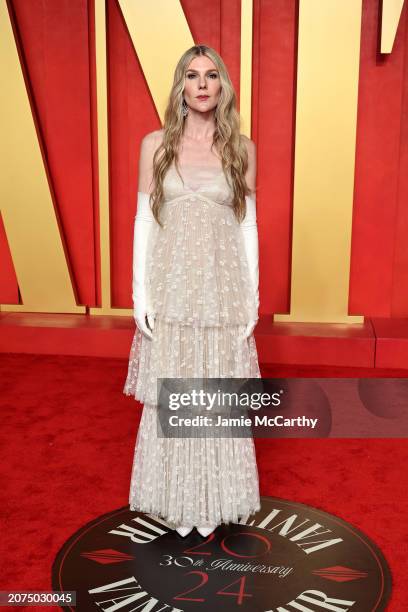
<point>203,97</point>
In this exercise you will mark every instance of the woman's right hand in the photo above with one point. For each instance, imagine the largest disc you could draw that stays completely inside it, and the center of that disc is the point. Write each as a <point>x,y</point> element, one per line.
<point>139,314</point>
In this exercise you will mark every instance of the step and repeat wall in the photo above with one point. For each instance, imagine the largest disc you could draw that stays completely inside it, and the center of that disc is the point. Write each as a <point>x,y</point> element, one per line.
<point>323,92</point>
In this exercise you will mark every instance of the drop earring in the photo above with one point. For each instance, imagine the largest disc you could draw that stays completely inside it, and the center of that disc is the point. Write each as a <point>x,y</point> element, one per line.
<point>184,108</point>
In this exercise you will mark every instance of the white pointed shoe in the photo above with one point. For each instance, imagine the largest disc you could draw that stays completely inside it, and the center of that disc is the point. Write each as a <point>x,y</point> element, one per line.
<point>184,531</point>
<point>205,531</point>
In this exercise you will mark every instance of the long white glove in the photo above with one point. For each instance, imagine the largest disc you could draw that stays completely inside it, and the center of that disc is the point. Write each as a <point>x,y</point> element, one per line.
<point>143,226</point>
<point>249,231</point>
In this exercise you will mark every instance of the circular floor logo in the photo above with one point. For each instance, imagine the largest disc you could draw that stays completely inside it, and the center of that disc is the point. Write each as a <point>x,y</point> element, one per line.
<point>287,557</point>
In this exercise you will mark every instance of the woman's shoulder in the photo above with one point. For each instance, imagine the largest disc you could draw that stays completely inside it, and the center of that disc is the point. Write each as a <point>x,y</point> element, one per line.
<point>149,145</point>
<point>153,139</point>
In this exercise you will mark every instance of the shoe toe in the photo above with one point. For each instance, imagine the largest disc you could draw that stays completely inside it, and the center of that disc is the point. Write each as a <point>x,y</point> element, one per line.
<point>183,531</point>
<point>205,531</point>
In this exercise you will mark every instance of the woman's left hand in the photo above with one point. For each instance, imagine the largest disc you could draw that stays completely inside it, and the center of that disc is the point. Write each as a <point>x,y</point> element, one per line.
<point>250,328</point>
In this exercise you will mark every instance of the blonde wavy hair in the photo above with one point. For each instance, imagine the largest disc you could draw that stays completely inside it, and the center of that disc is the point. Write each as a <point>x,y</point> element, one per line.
<point>227,140</point>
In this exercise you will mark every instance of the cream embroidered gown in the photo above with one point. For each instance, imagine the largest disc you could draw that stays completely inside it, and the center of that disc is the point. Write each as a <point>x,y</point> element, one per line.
<point>200,290</point>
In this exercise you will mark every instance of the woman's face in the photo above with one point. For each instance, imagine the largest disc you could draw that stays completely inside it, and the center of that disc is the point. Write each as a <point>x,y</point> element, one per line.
<point>202,79</point>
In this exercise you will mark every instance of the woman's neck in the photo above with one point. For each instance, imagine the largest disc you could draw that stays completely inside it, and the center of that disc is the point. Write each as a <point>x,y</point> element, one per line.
<point>199,127</point>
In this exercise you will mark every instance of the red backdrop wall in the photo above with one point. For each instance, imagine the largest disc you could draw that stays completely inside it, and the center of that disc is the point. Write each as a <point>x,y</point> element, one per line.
<point>56,46</point>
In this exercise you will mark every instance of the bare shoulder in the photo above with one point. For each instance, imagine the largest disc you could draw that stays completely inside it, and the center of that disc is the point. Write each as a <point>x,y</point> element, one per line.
<point>152,140</point>
<point>150,143</point>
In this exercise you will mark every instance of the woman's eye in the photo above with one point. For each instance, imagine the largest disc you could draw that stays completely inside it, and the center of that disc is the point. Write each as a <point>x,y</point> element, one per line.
<point>213,75</point>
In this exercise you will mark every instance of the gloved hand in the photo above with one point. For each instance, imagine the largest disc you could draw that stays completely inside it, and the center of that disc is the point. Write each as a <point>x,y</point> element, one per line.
<point>249,231</point>
<point>141,302</point>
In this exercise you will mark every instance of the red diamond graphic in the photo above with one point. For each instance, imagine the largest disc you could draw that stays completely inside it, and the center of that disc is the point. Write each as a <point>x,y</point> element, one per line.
<point>107,556</point>
<point>338,573</point>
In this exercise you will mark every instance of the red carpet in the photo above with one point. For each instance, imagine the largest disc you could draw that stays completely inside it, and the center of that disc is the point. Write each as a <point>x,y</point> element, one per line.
<point>68,437</point>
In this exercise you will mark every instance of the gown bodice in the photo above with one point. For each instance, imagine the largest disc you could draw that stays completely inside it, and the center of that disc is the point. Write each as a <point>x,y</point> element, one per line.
<point>207,181</point>
<point>196,265</point>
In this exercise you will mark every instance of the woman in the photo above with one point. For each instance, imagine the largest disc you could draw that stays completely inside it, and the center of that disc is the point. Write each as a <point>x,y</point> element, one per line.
<point>195,295</point>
